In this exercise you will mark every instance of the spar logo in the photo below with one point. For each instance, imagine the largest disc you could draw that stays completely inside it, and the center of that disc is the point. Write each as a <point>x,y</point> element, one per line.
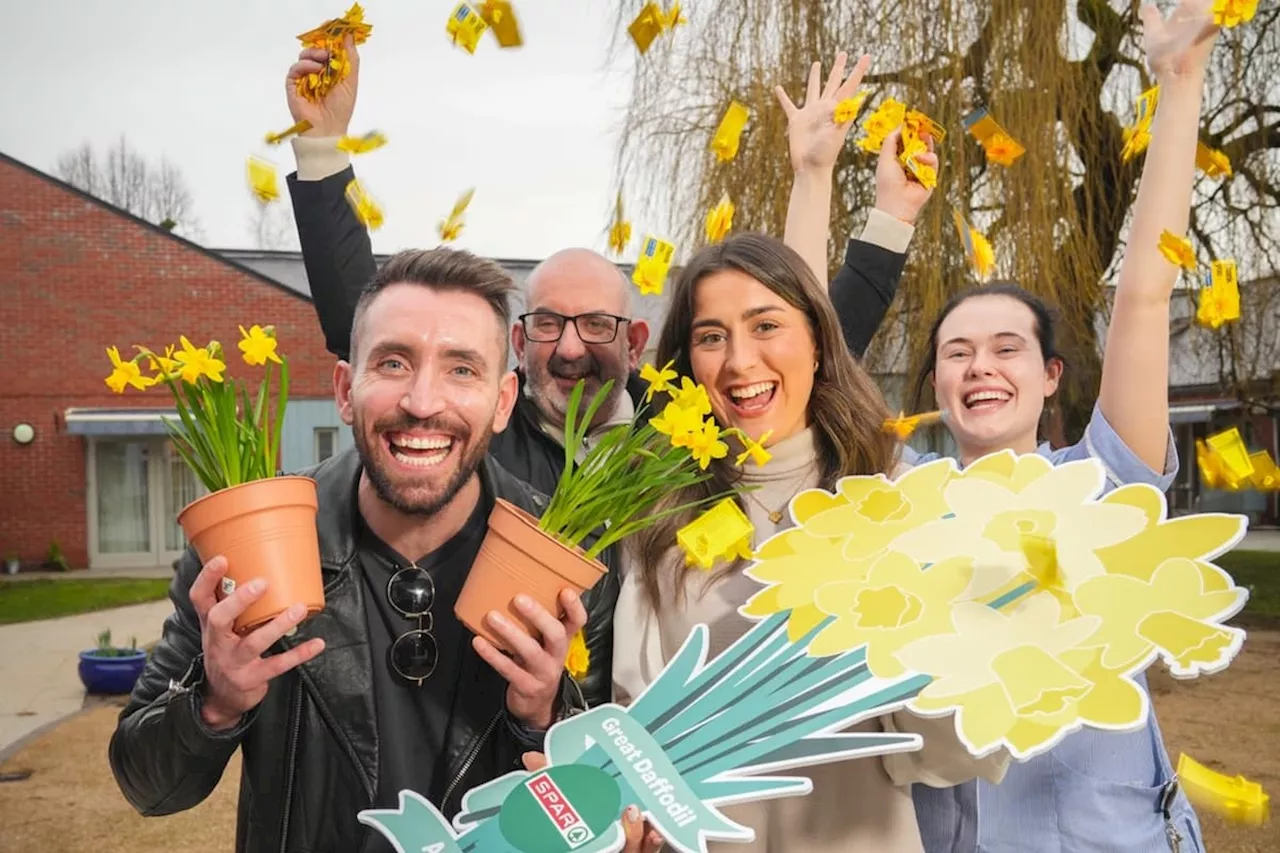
<point>548,796</point>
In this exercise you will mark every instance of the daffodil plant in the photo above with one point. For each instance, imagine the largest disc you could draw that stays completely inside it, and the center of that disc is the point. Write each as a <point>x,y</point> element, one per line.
<point>223,434</point>
<point>613,491</point>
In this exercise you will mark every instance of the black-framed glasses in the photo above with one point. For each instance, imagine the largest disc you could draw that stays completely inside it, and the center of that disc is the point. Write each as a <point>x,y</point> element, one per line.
<point>414,653</point>
<point>546,327</point>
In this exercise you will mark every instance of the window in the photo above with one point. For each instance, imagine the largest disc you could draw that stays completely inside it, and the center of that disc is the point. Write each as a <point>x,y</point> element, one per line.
<point>326,443</point>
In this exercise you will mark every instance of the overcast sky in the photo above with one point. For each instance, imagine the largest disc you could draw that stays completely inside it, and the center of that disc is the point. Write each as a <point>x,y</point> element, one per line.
<point>532,128</point>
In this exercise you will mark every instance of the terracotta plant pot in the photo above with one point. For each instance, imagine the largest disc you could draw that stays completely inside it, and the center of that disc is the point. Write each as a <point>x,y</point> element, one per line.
<point>516,557</point>
<point>265,529</point>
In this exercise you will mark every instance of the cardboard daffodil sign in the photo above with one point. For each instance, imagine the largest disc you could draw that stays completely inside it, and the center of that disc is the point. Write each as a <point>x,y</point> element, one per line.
<point>1009,596</point>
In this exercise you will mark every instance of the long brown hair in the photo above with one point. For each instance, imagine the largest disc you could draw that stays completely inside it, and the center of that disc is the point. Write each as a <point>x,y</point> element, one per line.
<point>846,410</point>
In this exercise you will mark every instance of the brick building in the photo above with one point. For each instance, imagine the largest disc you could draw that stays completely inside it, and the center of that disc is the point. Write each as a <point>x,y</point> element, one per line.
<point>97,476</point>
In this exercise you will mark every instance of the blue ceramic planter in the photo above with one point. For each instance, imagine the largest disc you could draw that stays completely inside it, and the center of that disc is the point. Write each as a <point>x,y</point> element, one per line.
<point>110,675</point>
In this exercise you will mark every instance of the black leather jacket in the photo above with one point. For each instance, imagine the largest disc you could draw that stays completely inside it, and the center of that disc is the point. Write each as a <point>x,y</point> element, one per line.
<point>310,749</point>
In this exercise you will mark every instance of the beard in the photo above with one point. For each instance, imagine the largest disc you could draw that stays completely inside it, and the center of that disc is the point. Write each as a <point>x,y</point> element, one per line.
<point>417,497</point>
<point>553,402</point>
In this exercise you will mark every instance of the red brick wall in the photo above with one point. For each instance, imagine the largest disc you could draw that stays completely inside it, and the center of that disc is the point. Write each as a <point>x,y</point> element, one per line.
<point>75,277</point>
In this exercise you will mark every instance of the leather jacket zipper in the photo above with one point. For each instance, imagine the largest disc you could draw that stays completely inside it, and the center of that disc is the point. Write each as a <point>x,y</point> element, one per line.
<point>472,754</point>
<point>290,768</point>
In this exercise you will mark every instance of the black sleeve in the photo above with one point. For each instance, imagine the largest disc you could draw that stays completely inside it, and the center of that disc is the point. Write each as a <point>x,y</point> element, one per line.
<point>863,289</point>
<point>336,252</point>
<point>164,757</point>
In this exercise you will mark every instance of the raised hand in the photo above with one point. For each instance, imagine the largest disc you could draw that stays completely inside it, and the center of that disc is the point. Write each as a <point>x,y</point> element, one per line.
<point>812,133</point>
<point>332,116</point>
<point>535,669</point>
<point>236,674</point>
<point>1179,45</point>
<point>898,193</point>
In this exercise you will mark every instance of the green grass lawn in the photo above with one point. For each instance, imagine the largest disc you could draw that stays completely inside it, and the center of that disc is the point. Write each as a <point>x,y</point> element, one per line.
<point>1259,571</point>
<point>26,601</point>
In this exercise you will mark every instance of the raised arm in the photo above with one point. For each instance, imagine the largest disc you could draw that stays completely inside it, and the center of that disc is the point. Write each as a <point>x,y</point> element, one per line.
<point>336,249</point>
<point>1134,395</point>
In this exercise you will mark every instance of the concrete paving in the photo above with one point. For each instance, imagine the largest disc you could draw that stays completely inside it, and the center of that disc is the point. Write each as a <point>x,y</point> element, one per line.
<point>39,682</point>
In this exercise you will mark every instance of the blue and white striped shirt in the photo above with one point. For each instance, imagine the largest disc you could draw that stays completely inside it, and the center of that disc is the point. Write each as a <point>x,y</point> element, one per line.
<point>1095,791</point>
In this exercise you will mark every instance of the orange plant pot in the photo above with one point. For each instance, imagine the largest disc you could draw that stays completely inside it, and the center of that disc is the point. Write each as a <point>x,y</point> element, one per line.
<point>265,529</point>
<point>517,557</point>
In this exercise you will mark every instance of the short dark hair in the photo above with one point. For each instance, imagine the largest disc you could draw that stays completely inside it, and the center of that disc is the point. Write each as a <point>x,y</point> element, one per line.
<point>1044,324</point>
<point>442,270</point>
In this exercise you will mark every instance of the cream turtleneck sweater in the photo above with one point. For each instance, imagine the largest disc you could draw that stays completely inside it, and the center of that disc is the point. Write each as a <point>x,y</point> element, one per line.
<point>856,805</point>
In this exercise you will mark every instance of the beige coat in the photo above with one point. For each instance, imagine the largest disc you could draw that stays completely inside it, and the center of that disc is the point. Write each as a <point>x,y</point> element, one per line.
<point>856,805</point>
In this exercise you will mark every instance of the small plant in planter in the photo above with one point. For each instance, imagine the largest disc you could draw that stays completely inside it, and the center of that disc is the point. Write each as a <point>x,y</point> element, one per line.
<point>261,523</point>
<point>55,559</point>
<point>611,494</point>
<point>110,669</point>
<point>11,563</point>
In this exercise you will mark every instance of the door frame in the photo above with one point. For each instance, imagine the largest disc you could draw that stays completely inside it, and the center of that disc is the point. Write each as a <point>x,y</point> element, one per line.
<point>157,470</point>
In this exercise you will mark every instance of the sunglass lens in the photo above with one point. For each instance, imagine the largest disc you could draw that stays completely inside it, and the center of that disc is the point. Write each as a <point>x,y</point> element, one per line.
<point>414,655</point>
<point>411,591</point>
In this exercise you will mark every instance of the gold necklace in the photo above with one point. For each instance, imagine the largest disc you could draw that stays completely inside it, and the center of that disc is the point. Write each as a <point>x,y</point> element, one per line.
<point>775,515</point>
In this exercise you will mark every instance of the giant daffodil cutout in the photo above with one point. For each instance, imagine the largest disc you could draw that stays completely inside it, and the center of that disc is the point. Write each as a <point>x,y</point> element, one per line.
<point>1012,594</point>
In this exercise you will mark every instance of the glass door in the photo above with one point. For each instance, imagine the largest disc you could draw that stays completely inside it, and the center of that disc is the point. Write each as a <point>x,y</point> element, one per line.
<point>180,487</point>
<point>121,506</point>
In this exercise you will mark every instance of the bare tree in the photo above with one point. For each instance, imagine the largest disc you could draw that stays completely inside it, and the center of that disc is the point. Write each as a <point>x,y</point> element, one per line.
<point>156,192</point>
<point>271,226</point>
<point>1060,75</point>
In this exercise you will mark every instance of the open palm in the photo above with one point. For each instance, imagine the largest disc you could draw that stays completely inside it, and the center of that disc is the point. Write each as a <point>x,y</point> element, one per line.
<point>812,133</point>
<point>1180,44</point>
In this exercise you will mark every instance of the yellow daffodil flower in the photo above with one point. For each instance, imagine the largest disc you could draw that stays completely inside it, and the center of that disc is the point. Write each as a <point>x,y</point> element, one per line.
<point>578,660</point>
<point>677,422</point>
<point>848,109</point>
<point>659,380</point>
<point>294,129</point>
<point>1177,250</point>
<point>794,565</point>
<point>896,604</point>
<point>126,374</point>
<point>705,444</point>
<point>166,366</point>
<point>719,220</point>
<point>753,450</point>
<point>258,345</point>
<point>1233,13</point>
<point>194,362</point>
<point>1173,613</point>
<point>693,396</point>
<point>999,670</point>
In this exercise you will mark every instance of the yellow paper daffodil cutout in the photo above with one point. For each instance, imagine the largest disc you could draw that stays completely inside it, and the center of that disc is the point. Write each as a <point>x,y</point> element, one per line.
<point>1211,161</point>
<point>194,362</point>
<point>896,604</point>
<point>1003,675</point>
<point>719,220</point>
<point>659,381</point>
<point>848,109</point>
<point>1233,13</point>
<point>371,141</point>
<point>722,532</point>
<point>126,374</point>
<point>293,130</point>
<point>724,143</point>
<point>1177,250</point>
<point>753,450</point>
<point>331,37</point>
<point>1172,613</point>
<point>794,564</point>
<point>262,180</point>
<point>619,229</point>
<point>367,211</point>
<point>258,345</point>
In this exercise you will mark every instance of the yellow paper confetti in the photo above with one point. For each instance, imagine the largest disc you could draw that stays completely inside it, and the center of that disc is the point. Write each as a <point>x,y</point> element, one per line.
<point>1224,282</point>
<point>1211,473</point>
<point>848,109</point>
<point>651,267</point>
<point>465,26</point>
<point>653,22</point>
<point>1136,140</point>
<point>1137,136</point>
<point>1235,798</point>
<point>451,227</point>
<point>619,229</point>
<point>920,124</point>
<point>722,532</point>
<point>299,127</point>
<point>1212,162</point>
<point>365,208</point>
<point>502,21</point>
<point>977,249</point>
<point>1232,13</point>
<point>578,659</point>
<point>330,36</point>
<point>904,426</point>
<point>1266,476</point>
<point>720,220</point>
<point>998,144</point>
<point>371,141</point>
<point>884,120</point>
<point>1041,553</point>
<point>729,133</point>
<point>262,180</point>
<point>1177,250</point>
<point>1229,447</point>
